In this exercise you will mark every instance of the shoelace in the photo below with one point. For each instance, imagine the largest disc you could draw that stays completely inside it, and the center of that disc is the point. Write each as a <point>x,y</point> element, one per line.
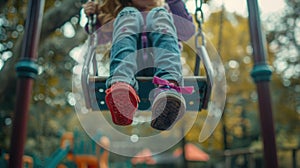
<point>167,84</point>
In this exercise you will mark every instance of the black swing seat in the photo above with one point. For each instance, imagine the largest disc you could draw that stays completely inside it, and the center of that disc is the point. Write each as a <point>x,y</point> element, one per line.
<point>95,95</point>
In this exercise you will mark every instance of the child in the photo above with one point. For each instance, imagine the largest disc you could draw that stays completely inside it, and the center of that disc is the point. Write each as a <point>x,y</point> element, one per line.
<point>168,104</point>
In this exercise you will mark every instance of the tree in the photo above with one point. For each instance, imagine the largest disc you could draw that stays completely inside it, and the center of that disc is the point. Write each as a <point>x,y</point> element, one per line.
<point>284,46</point>
<point>283,36</point>
<point>53,85</point>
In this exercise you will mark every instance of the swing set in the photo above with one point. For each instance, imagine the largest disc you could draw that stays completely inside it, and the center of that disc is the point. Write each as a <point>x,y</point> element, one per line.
<point>93,83</point>
<point>208,94</point>
<point>207,87</point>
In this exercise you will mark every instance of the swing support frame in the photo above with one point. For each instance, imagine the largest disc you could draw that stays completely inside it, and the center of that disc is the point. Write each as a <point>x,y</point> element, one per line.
<point>27,71</point>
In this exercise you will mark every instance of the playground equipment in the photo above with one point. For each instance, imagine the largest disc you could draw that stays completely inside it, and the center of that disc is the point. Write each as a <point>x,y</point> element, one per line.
<point>75,151</point>
<point>27,70</point>
<point>82,152</point>
<point>207,76</point>
<point>261,74</point>
<point>209,91</point>
<point>93,83</point>
<point>27,161</point>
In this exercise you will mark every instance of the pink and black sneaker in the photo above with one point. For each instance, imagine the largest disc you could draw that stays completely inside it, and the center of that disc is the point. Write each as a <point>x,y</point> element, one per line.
<point>168,105</point>
<point>122,101</point>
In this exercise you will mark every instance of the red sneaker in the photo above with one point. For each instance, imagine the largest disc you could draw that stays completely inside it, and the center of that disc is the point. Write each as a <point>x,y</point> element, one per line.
<point>122,102</point>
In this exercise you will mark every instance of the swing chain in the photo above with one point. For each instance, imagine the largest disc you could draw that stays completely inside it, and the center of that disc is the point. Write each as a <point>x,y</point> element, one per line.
<point>199,16</point>
<point>92,22</point>
<point>199,12</point>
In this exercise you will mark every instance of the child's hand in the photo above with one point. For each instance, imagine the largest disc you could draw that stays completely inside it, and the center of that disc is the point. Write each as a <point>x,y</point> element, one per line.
<point>90,8</point>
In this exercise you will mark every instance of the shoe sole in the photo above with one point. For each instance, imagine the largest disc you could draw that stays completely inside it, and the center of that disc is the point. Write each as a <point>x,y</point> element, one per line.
<point>167,109</point>
<point>122,105</point>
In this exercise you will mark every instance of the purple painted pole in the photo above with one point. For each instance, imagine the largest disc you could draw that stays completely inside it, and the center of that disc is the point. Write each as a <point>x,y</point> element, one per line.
<point>261,74</point>
<point>26,71</point>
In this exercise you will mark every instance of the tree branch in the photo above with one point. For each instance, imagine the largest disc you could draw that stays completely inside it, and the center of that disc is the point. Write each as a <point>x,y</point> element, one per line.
<point>53,19</point>
<point>63,45</point>
<point>58,16</point>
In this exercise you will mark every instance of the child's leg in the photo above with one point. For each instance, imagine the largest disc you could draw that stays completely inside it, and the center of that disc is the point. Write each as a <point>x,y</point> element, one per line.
<point>168,105</point>
<point>123,66</point>
<point>121,97</point>
<point>163,35</point>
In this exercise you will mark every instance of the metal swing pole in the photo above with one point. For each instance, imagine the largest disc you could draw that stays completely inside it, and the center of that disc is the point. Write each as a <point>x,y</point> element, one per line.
<point>261,73</point>
<point>27,70</point>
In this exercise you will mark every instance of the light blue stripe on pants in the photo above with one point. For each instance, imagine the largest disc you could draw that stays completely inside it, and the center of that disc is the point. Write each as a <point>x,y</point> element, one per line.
<point>126,42</point>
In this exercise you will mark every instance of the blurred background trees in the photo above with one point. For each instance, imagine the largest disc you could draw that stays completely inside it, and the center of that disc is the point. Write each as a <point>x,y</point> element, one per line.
<point>52,108</point>
<point>284,45</point>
